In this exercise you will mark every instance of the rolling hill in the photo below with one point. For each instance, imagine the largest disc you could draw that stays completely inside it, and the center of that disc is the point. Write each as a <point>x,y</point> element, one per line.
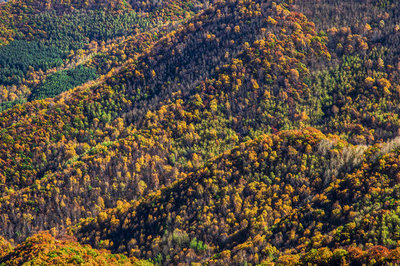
<point>226,132</point>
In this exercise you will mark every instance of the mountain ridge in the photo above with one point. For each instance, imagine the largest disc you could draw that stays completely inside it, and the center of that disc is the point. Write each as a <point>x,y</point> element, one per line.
<point>273,129</point>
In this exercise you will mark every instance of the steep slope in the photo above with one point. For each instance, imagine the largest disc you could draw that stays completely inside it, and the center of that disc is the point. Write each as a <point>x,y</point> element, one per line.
<point>361,207</point>
<point>73,32</point>
<point>106,101</point>
<point>174,135</point>
<point>136,108</point>
<point>93,98</point>
<point>234,197</point>
<point>296,192</point>
<point>362,84</point>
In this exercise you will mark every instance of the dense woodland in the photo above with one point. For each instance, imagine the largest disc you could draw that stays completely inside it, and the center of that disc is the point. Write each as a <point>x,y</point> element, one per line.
<point>44,249</point>
<point>226,132</point>
<point>42,37</point>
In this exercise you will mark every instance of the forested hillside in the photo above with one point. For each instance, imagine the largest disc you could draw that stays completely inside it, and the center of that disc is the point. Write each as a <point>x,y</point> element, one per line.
<point>267,197</point>
<point>43,249</point>
<point>212,132</point>
<point>43,37</point>
<point>122,117</point>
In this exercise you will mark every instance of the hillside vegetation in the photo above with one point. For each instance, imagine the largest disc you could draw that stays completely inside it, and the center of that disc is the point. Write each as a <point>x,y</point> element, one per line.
<point>135,122</point>
<point>42,37</point>
<point>267,198</point>
<point>43,249</point>
<point>177,132</point>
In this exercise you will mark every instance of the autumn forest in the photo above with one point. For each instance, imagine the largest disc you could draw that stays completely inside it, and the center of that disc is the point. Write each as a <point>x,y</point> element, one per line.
<point>199,132</point>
